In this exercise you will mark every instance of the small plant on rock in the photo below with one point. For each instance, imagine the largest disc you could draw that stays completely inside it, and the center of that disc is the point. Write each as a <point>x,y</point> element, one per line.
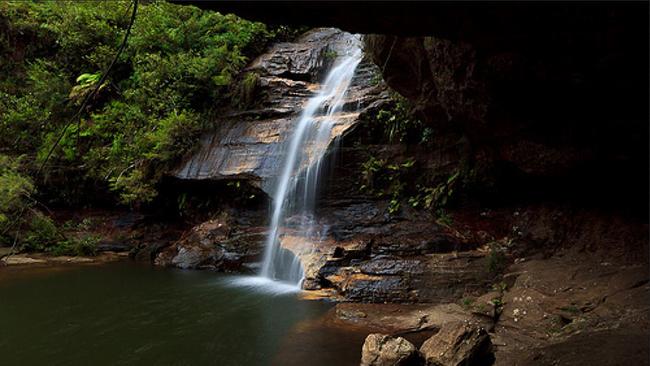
<point>467,302</point>
<point>496,259</point>
<point>382,179</point>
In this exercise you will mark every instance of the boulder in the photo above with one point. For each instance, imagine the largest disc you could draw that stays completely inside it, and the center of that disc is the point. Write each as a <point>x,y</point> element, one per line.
<point>200,248</point>
<point>384,350</point>
<point>193,256</point>
<point>458,344</point>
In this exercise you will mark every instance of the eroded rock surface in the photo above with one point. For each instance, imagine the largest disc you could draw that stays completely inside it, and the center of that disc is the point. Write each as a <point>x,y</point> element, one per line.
<point>369,256</point>
<point>553,304</point>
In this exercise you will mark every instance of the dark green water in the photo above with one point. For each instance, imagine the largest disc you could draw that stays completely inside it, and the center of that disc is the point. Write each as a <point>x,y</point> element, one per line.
<point>127,314</point>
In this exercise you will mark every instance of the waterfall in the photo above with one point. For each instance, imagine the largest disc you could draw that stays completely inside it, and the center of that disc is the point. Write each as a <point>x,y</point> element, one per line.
<point>295,189</point>
<point>297,185</point>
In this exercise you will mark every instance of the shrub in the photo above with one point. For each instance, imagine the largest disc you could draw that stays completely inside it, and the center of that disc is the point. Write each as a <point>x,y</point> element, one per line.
<point>245,91</point>
<point>496,261</point>
<point>84,245</point>
<point>399,124</point>
<point>386,180</point>
<point>15,197</point>
<point>41,235</point>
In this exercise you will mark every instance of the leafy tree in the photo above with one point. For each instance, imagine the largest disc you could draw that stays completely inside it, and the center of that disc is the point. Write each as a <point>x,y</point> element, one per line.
<point>178,69</point>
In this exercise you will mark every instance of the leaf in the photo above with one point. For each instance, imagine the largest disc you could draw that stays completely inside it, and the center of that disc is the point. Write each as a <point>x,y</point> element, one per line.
<point>85,79</point>
<point>453,177</point>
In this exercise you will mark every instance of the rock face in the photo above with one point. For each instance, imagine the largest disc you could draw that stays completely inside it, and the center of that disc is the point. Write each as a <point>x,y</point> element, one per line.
<point>367,256</point>
<point>247,144</point>
<point>458,344</point>
<point>565,112</point>
<point>573,310</point>
<point>358,250</point>
<point>384,350</point>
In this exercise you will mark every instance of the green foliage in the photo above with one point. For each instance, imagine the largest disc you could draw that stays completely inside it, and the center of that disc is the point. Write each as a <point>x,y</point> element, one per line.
<point>399,124</point>
<point>376,79</point>
<point>78,240</point>
<point>245,90</point>
<point>178,69</point>
<point>15,190</point>
<point>496,260</point>
<point>402,183</point>
<point>386,180</point>
<point>500,287</point>
<point>41,235</point>
<point>20,223</point>
<point>497,303</point>
<point>28,104</point>
<point>15,199</point>
<point>391,180</point>
<point>84,245</point>
<point>467,302</point>
<point>443,218</point>
<point>369,170</point>
<point>28,228</point>
<point>438,196</point>
<point>71,225</point>
<point>330,54</point>
<point>85,84</point>
<point>180,65</point>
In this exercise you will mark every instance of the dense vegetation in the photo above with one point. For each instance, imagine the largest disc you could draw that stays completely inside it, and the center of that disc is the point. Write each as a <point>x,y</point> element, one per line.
<point>402,180</point>
<point>178,69</point>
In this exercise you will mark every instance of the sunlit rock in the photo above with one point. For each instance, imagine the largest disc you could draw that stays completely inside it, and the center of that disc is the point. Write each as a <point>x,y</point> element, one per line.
<point>458,344</point>
<point>384,350</point>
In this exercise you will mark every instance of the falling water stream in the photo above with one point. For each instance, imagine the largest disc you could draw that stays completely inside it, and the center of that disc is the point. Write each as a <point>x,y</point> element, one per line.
<point>296,187</point>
